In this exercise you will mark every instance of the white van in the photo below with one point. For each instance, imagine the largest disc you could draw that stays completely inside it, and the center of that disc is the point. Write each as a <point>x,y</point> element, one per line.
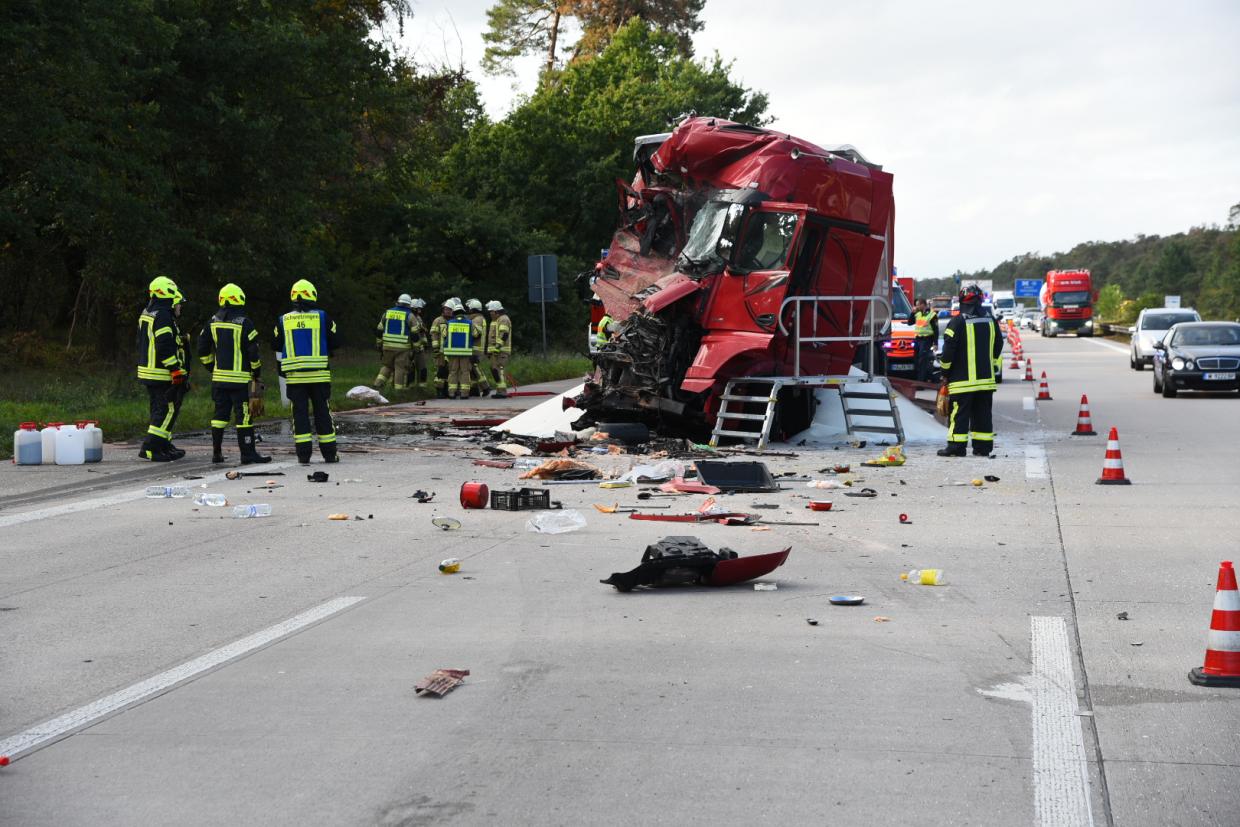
<point>1005,303</point>
<point>1152,324</point>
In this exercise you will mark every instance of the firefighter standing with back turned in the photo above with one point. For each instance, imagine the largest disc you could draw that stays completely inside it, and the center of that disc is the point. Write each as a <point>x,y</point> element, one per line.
<point>394,338</point>
<point>306,336</point>
<point>228,345</point>
<point>436,336</point>
<point>458,349</point>
<point>925,324</point>
<point>419,359</point>
<point>972,350</point>
<point>161,368</point>
<point>499,346</point>
<point>478,382</point>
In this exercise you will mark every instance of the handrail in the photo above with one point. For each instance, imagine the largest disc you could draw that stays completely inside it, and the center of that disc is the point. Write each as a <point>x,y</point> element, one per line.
<point>798,340</point>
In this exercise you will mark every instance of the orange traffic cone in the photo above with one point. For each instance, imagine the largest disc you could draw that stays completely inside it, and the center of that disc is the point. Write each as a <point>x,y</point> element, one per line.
<point>1222,666</point>
<point>1084,425</point>
<point>1015,361</point>
<point>1113,463</point>
<point>1044,390</point>
<point>1028,371</point>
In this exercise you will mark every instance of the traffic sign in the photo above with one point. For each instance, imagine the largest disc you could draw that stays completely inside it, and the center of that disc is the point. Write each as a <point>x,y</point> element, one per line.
<point>544,279</point>
<point>1027,288</point>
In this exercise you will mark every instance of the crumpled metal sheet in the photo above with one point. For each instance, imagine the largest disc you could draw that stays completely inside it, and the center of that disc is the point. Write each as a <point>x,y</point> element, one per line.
<point>440,682</point>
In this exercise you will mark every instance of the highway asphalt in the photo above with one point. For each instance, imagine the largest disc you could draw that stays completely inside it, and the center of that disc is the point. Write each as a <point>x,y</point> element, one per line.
<point>163,663</point>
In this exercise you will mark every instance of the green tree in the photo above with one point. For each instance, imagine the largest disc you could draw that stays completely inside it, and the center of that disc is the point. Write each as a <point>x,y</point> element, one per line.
<point>1110,299</point>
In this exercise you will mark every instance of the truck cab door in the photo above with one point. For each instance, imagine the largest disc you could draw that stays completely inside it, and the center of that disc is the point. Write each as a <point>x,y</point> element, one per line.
<point>752,287</point>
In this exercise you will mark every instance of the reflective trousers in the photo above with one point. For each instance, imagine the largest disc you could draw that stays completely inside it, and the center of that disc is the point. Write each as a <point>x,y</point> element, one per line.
<point>231,401</point>
<point>394,363</point>
<point>499,370</point>
<point>969,417</point>
<point>923,359</point>
<point>302,396</point>
<point>458,375</point>
<point>165,405</point>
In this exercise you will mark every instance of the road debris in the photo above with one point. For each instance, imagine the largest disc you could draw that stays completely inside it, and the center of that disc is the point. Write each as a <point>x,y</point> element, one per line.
<point>440,682</point>
<point>811,621</point>
<point>846,599</point>
<point>446,523</point>
<point>685,561</point>
<point>749,477</point>
<point>556,522</point>
<point>474,494</point>
<point>422,496</point>
<point>562,469</point>
<point>1122,616</point>
<point>317,476</point>
<point>765,587</point>
<point>891,456</point>
<point>337,516</point>
<point>450,566</point>
<point>882,619</point>
<point>368,395</point>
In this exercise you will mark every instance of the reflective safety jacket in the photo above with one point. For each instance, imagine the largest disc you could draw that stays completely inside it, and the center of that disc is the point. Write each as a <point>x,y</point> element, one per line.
<point>604,332</point>
<point>479,323</point>
<point>925,324</point>
<point>417,332</point>
<point>158,343</point>
<point>499,335</point>
<point>306,336</point>
<point>395,328</point>
<point>972,353</point>
<point>458,335</point>
<point>229,346</point>
<point>437,333</point>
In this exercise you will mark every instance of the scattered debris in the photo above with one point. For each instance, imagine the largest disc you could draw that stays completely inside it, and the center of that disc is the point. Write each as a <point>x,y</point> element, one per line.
<point>924,577</point>
<point>337,516</point>
<point>736,476</point>
<point>904,520</point>
<point>990,478</point>
<point>556,522</point>
<point>765,587</point>
<point>450,566</point>
<point>811,621</point>
<point>882,619</point>
<point>563,469</point>
<point>684,561</point>
<point>422,496</point>
<point>514,449</point>
<point>317,476</point>
<point>847,599</point>
<point>864,492</point>
<point>1122,616</point>
<point>474,494</point>
<point>819,505</point>
<point>446,523</point>
<point>526,499</point>
<point>368,395</point>
<point>891,456</point>
<point>236,475</point>
<point>494,463</point>
<point>1137,643</point>
<point>478,423</point>
<point>976,483</point>
<point>440,682</point>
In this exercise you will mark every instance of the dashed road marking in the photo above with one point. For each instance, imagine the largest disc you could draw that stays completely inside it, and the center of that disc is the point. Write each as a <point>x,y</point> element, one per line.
<point>1035,462</point>
<point>84,716</point>
<point>1108,345</point>
<point>1060,769</point>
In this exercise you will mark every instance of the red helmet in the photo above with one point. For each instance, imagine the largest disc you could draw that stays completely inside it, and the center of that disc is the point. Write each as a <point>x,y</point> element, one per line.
<point>971,294</point>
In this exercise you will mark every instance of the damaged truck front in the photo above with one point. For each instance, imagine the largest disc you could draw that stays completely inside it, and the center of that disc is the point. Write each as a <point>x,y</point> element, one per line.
<point>731,238</point>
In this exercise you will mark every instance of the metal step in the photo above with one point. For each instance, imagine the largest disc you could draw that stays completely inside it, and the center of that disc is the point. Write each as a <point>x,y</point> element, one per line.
<point>763,399</point>
<point>730,415</point>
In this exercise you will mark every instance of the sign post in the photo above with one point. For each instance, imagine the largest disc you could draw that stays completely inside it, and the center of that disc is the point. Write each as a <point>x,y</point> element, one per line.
<point>544,286</point>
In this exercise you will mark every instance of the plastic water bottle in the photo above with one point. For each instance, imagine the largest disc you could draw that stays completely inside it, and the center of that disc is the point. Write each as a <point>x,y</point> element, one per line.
<point>527,463</point>
<point>244,512</point>
<point>556,522</point>
<point>159,492</point>
<point>924,577</point>
<point>213,500</point>
<point>450,566</point>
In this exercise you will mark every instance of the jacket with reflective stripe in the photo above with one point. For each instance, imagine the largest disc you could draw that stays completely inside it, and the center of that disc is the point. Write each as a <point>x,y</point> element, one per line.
<point>926,324</point>
<point>229,346</point>
<point>437,333</point>
<point>479,332</point>
<point>972,347</point>
<point>499,335</point>
<point>394,329</point>
<point>158,342</point>
<point>604,330</point>
<point>457,337</point>
<point>306,336</point>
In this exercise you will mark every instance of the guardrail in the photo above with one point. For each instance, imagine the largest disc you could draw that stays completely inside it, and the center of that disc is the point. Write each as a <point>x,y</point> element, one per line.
<point>1110,329</point>
<point>852,301</point>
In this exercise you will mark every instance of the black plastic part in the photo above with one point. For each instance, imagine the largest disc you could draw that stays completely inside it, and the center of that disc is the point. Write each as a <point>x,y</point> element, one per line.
<point>736,476</point>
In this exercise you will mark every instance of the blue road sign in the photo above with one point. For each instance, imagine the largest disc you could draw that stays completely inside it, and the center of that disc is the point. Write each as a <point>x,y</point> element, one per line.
<point>544,279</point>
<point>1027,288</point>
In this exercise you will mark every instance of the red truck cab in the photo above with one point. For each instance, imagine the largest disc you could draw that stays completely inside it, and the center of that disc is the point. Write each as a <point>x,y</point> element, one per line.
<point>1067,301</point>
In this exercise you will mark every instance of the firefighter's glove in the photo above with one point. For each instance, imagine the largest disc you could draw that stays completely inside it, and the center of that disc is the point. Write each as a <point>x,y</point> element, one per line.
<point>179,377</point>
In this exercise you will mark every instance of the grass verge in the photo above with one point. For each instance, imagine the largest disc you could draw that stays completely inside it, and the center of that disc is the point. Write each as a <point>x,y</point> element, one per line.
<point>114,398</point>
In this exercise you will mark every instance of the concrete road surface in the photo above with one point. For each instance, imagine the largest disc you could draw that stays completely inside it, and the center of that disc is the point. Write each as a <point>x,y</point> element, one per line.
<point>163,663</point>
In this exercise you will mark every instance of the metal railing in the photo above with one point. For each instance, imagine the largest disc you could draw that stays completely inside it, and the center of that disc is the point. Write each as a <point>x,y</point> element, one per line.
<point>798,339</point>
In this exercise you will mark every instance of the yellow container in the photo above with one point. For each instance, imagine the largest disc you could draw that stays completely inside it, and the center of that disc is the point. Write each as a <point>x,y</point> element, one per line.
<point>450,566</point>
<point>924,577</point>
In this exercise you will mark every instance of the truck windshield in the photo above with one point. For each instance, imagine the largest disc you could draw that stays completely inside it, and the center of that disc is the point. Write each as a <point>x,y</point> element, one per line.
<point>1073,297</point>
<point>711,237</point>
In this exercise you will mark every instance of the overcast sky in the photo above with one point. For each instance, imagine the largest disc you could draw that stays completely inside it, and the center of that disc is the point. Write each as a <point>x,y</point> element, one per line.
<point>1008,128</point>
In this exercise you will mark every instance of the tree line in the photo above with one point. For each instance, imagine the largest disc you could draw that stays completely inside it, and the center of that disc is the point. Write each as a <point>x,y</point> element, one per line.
<point>1202,266</point>
<point>260,143</point>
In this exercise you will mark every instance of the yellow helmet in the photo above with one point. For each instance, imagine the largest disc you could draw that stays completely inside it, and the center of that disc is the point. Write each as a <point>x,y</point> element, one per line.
<point>162,287</point>
<point>303,289</point>
<point>232,294</point>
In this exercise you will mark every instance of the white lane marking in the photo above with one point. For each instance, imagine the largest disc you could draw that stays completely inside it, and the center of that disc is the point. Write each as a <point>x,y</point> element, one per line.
<point>1109,345</point>
<point>1028,403</point>
<point>1035,462</point>
<point>1060,770</point>
<point>84,716</point>
<point>110,499</point>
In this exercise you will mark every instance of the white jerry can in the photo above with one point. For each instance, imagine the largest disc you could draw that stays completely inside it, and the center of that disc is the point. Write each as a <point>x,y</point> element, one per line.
<point>70,445</point>
<point>27,444</point>
<point>48,435</point>
<point>94,440</point>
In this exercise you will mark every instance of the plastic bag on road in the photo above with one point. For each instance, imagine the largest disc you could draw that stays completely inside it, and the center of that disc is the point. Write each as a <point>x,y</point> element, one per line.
<point>366,395</point>
<point>666,470</point>
<point>555,522</point>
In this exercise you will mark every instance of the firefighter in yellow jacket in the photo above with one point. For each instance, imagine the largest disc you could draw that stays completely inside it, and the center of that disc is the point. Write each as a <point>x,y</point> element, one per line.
<point>499,346</point>
<point>394,338</point>
<point>420,360</point>
<point>478,383</point>
<point>972,356</point>
<point>228,345</point>
<point>162,368</point>
<point>457,347</point>
<point>436,337</point>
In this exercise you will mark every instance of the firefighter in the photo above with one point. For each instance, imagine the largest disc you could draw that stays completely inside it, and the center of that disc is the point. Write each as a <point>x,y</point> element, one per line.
<point>499,346</point>
<point>972,348</point>
<point>925,323</point>
<point>419,360</point>
<point>458,348</point>
<point>394,338</point>
<point>478,383</point>
<point>306,335</point>
<point>606,329</point>
<point>436,339</point>
<point>228,345</point>
<point>161,368</point>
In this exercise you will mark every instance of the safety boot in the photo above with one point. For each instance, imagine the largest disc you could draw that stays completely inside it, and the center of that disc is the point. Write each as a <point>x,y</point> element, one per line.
<point>304,450</point>
<point>155,449</point>
<point>951,452</point>
<point>328,450</point>
<point>500,393</point>
<point>217,444</point>
<point>249,454</point>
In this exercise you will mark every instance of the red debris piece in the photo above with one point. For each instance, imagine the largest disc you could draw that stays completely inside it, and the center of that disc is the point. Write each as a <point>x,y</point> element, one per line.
<point>441,682</point>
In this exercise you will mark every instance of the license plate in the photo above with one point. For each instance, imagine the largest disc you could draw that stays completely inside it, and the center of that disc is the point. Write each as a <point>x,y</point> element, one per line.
<point>1221,376</point>
<point>897,366</point>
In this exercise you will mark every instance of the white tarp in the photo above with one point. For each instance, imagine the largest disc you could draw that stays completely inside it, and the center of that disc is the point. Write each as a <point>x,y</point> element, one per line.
<point>828,427</point>
<point>545,420</point>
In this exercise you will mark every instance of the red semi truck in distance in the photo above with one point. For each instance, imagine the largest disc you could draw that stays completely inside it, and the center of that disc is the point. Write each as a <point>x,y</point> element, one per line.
<point>1067,302</point>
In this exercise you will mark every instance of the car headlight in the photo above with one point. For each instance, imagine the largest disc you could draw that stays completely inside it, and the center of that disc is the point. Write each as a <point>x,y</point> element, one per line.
<point>1178,363</point>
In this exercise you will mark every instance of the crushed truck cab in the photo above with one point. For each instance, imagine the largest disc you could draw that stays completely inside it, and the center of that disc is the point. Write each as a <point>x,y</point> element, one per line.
<point>735,245</point>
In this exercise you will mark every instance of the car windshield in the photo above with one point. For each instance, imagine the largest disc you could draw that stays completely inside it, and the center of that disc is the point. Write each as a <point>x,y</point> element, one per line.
<point>1074,297</point>
<point>1206,335</point>
<point>711,236</point>
<point>1163,321</point>
<point>767,240</point>
<point>899,304</point>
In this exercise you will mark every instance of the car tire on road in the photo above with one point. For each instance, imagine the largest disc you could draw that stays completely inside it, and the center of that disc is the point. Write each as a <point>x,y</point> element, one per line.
<point>1135,363</point>
<point>1157,384</point>
<point>1168,390</point>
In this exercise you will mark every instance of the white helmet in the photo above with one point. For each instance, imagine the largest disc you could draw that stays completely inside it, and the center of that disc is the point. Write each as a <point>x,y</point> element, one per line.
<point>418,304</point>
<point>456,306</point>
<point>405,299</point>
<point>474,304</point>
<point>494,305</point>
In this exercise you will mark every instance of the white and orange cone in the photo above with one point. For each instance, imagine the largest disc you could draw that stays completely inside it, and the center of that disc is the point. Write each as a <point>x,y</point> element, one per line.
<point>1015,361</point>
<point>1113,463</point>
<point>1222,666</point>
<point>1028,371</point>
<point>1084,425</point>
<point>1044,390</point>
